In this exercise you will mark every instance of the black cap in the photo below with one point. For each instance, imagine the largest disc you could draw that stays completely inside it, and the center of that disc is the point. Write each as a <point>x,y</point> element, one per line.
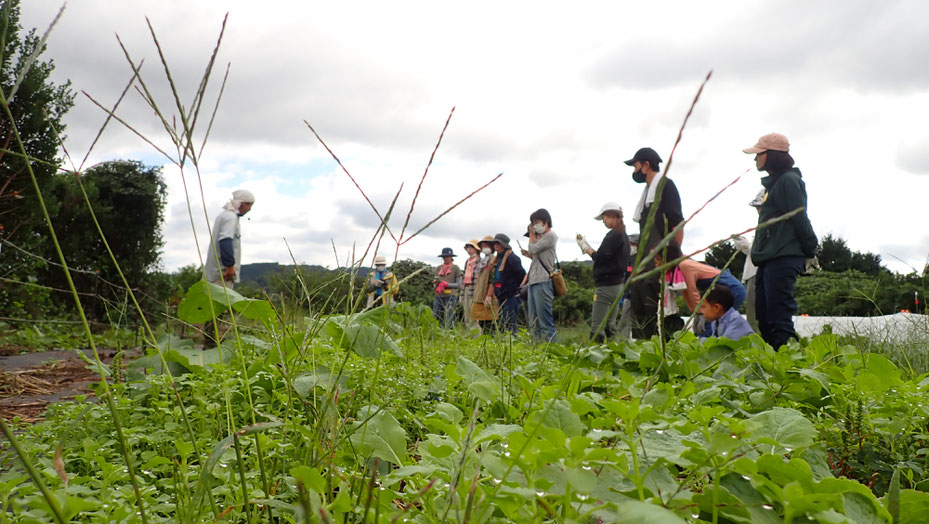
<point>645,154</point>
<point>447,252</point>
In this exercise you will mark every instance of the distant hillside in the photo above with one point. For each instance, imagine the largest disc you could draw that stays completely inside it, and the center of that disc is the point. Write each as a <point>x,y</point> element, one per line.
<point>257,275</point>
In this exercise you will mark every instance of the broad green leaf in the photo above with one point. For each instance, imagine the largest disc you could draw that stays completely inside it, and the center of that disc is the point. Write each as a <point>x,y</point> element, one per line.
<point>785,428</point>
<point>321,378</point>
<point>759,508</point>
<point>914,506</point>
<point>478,382</point>
<point>496,432</point>
<point>366,340</point>
<point>635,512</point>
<point>195,307</point>
<point>449,412</point>
<point>560,416</point>
<point>381,437</point>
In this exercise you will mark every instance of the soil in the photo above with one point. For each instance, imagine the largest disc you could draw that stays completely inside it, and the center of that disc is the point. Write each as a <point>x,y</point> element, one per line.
<point>29,382</point>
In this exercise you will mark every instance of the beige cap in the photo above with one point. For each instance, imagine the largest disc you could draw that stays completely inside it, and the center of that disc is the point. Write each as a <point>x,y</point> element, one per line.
<point>380,259</point>
<point>473,243</point>
<point>769,142</point>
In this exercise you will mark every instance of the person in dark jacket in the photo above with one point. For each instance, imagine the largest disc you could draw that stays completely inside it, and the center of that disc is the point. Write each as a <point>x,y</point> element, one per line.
<point>611,261</point>
<point>508,274</point>
<point>644,294</point>
<point>779,250</point>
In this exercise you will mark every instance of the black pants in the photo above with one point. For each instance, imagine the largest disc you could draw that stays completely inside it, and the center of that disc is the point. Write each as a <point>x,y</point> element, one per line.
<point>643,295</point>
<point>774,299</point>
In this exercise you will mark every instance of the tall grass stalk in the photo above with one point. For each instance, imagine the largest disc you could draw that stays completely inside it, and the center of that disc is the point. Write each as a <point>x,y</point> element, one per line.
<point>107,392</point>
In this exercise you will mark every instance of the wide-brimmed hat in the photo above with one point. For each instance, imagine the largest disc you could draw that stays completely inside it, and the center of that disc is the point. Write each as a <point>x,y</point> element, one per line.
<point>609,206</point>
<point>380,260</point>
<point>472,243</point>
<point>503,240</point>
<point>769,142</point>
<point>447,252</point>
<point>486,240</point>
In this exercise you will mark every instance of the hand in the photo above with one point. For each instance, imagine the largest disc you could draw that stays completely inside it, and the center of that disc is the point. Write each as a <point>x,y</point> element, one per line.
<point>525,253</point>
<point>810,265</point>
<point>583,244</point>
<point>229,274</point>
<point>487,301</point>
<point>379,282</point>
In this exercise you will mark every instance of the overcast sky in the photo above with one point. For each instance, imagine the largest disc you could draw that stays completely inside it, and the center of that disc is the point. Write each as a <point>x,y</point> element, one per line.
<point>554,95</point>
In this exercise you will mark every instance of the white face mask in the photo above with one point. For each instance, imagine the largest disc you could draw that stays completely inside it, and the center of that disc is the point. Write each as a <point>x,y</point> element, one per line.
<point>538,228</point>
<point>487,250</point>
<point>380,268</point>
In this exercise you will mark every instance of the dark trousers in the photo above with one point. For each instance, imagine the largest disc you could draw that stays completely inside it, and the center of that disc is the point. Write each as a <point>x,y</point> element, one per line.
<point>643,295</point>
<point>774,299</point>
<point>507,315</point>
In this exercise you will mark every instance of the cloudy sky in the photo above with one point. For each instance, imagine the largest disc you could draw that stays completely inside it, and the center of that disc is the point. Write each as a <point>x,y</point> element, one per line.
<point>553,95</point>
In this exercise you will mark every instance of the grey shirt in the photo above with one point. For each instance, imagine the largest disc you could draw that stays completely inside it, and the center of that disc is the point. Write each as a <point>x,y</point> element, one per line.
<point>543,258</point>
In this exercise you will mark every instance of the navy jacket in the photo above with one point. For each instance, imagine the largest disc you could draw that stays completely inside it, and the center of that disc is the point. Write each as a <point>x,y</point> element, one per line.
<point>508,277</point>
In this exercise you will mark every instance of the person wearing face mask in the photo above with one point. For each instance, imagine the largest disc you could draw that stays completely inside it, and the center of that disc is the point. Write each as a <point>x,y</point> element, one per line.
<point>611,260</point>
<point>484,311</point>
<point>381,284</point>
<point>541,293</point>
<point>644,294</point>
<point>224,254</point>
<point>472,271</point>
<point>779,250</point>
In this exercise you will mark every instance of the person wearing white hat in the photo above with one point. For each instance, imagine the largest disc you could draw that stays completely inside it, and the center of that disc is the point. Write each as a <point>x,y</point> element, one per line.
<point>224,254</point>
<point>611,262</point>
<point>381,284</point>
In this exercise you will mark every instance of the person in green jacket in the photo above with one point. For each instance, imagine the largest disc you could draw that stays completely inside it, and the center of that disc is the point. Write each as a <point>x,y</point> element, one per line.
<point>779,250</point>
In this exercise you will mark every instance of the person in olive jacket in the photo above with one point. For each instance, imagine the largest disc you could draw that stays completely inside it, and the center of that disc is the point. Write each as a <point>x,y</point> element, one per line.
<point>780,249</point>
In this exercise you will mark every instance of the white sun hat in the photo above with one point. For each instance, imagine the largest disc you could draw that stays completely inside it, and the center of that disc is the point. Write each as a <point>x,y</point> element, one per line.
<point>609,206</point>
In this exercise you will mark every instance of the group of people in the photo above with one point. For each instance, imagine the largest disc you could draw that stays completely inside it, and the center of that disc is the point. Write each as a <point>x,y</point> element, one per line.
<point>494,283</point>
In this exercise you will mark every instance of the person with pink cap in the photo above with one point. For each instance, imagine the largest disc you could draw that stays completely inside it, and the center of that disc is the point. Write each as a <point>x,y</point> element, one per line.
<point>779,250</point>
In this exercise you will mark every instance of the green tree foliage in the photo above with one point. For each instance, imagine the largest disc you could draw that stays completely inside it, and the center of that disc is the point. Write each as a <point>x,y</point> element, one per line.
<point>718,256</point>
<point>128,201</point>
<point>835,255</point>
<point>37,108</point>
<point>418,289</point>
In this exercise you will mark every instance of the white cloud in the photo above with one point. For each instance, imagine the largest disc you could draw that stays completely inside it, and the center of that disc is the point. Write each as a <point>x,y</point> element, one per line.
<point>554,96</point>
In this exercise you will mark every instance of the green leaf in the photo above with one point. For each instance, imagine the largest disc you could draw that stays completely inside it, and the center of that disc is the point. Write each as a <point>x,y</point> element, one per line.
<point>914,506</point>
<point>561,417</point>
<point>195,307</point>
<point>496,432</point>
<point>206,471</point>
<point>635,512</point>
<point>366,340</point>
<point>381,437</point>
<point>321,378</point>
<point>785,428</point>
<point>479,383</point>
<point>893,496</point>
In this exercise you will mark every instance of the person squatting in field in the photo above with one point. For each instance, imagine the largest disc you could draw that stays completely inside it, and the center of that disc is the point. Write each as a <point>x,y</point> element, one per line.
<point>224,253</point>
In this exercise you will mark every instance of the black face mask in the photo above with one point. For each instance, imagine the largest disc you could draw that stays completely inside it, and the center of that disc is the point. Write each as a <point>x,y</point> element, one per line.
<point>639,176</point>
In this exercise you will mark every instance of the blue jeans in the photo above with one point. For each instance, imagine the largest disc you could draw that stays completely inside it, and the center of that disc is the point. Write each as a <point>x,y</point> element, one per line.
<point>539,311</point>
<point>443,308</point>
<point>508,313</point>
<point>775,305</point>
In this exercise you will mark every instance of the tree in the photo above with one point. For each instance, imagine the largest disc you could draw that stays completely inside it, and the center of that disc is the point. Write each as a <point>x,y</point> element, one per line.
<point>834,254</point>
<point>37,109</point>
<point>419,289</point>
<point>128,200</point>
<point>718,256</point>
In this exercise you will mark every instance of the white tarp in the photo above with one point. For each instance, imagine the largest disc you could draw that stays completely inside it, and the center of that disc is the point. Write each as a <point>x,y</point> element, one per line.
<point>898,329</point>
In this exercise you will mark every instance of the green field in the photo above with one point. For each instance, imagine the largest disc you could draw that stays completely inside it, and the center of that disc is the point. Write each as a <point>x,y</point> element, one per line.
<point>383,417</point>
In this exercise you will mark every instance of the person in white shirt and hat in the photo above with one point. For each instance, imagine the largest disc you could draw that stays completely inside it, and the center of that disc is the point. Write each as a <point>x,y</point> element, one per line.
<point>381,284</point>
<point>226,241</point>
<point>611,261</point>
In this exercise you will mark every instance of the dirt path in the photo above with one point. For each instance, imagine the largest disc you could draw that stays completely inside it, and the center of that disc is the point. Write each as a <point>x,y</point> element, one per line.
<point>31,381</point>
